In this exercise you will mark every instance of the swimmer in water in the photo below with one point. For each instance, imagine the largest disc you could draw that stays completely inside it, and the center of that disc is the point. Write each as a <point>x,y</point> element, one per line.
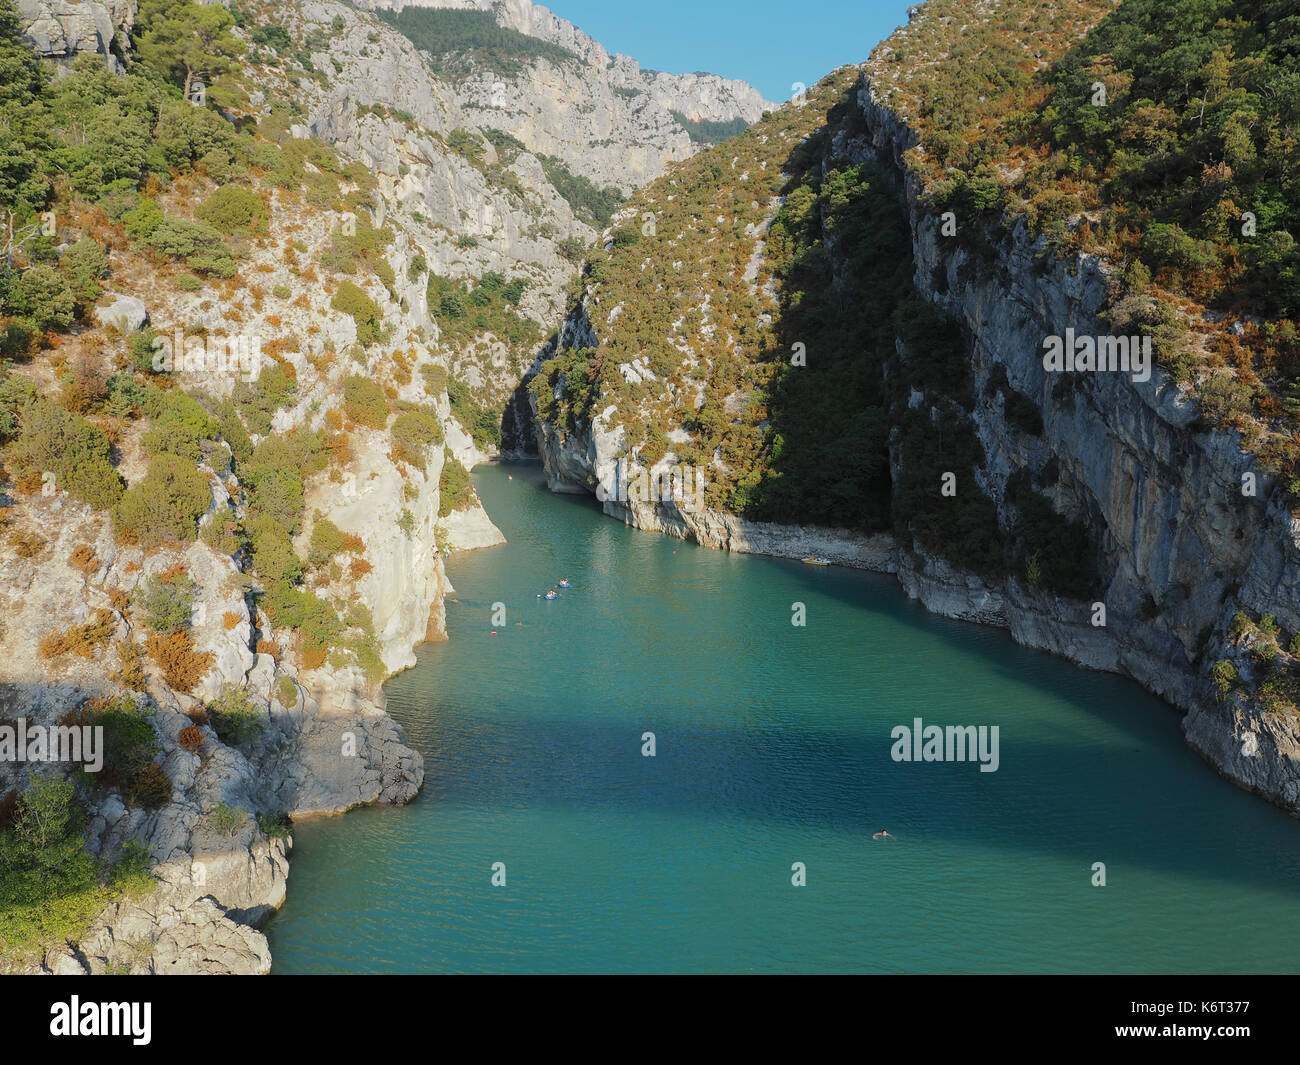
<point>883,834</point>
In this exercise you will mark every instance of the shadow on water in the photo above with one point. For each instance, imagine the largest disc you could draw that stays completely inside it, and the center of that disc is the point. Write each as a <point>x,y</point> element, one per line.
<point>880,595</point>
<point>846,783</point>
<point>773,744</point>
<point>1110,783</point>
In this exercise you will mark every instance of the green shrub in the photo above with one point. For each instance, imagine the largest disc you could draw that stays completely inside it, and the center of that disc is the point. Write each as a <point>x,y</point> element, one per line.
<point>141,221</point>
<point>274,826</point>
<point>326,542</point>
<point>130,742</point>
<point>84,265</point>
<point>44,296</point>
<point>43,856</point>
<point>166,505</point>
<point>188,283</point>
<point>452,305</point>
<point>140,345</point>
<point>456,490</point>
<point>1224,678</point>
<point>130,873</point>
<point>169,601</point>
<point>125,396</point>
<point>227,819</point>
<point>199,245</point>
<point>234,210</point>
<point>51,440</point>
<point>1222,399</point>
<point>233,432</point>
<point>272,549</point>
<point>179,424</point>
<point>352,301</point>
<point>435,378</point>
<point>258,400</point>
<point>414,433</point>
<point>287,693</point>
<point>482,424</point>
<point>235,719</point>
<point>364,402</point>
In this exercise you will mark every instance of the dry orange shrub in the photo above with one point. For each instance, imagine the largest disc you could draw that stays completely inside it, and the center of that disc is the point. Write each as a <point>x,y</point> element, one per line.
<point>84,558</point>
<point>27,544</point>
<point>81,640</point>
<point>182,666</point>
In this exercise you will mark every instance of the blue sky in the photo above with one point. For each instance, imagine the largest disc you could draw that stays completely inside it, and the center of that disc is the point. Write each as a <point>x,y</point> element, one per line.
<point>769,43</point>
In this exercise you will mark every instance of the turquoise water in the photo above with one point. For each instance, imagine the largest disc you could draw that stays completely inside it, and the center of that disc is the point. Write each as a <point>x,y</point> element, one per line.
<point>773,747</point>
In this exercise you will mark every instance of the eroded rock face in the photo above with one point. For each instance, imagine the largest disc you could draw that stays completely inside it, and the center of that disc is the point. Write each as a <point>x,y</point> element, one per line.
<point>603,115</point>
<point>1161,492</point>
<point>60,29</point>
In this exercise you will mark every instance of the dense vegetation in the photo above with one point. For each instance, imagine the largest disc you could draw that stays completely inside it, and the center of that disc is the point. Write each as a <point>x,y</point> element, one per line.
<point>462,41</point>
<point>704,131</point>
<point>590,203</point>
<point>51,887</point>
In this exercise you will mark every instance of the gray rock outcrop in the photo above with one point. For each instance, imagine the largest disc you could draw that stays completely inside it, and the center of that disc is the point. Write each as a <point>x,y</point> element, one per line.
<point>61,29</point>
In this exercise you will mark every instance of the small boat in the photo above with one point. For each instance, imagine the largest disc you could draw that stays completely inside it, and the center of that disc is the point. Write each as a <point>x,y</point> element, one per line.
<point>564,582</point>
<point>814,561</point>
<point>552,594</point>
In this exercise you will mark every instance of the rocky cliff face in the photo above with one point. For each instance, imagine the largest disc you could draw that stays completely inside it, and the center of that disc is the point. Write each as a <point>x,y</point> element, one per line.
<point>1181,549</point>
<point>605,116</point>
<point>60,29</point>
<point>1163,491</point>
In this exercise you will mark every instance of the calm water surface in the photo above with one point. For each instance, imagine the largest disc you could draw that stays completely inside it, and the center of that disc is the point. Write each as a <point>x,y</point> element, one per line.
<point>772,748</point>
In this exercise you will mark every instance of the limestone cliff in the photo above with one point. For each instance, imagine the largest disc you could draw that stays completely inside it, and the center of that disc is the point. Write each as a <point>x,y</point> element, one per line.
<point>61,29</point>
<point>603,115</point>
